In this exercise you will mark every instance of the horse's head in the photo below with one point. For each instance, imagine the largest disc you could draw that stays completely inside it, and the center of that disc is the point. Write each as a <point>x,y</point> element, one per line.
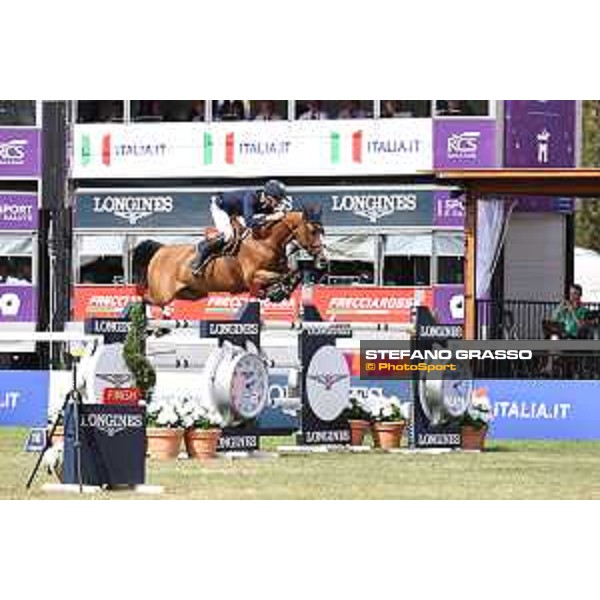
<point>307,229</point>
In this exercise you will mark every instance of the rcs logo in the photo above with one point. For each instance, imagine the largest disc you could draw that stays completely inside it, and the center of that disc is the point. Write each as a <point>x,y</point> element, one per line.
<point>10,304</point>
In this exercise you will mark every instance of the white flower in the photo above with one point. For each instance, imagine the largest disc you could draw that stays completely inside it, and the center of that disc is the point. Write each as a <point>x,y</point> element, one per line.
<point>405,410</point>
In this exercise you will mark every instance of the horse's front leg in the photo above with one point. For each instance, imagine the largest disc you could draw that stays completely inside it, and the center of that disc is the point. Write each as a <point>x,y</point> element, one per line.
<point>275,286</point>
<point>261,281</point>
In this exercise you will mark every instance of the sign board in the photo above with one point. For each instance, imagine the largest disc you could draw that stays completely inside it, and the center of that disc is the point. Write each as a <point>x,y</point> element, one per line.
<point>36,439</point>
<point>24,398</point>
<point>20,153</point>
<point>335,303</point>
<point>18,212</point>
<point>253,149</point>
<point>113,445</point>
<point>364,206</point>
<point>544,410</point>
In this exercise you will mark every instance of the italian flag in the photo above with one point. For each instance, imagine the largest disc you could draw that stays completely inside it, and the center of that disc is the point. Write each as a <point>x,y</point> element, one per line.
<point>335,146</point>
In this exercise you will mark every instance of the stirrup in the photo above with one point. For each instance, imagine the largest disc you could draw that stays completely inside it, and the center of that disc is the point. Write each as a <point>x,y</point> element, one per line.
<point>197,265</point>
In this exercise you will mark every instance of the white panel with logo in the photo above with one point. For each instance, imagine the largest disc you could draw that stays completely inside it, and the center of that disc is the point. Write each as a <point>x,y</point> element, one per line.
<point>253,149</point>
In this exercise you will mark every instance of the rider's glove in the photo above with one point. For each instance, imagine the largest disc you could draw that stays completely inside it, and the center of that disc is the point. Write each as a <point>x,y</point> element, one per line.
<point>259,220</point>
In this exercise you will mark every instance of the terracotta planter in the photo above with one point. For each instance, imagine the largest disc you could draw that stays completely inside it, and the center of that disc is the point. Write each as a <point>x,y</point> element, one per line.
<point>358,428</point>
<point>163,443</point>
<point>388,435</point>
<point>202,443</point>
<point>473,438</point>
<point>59,435</point>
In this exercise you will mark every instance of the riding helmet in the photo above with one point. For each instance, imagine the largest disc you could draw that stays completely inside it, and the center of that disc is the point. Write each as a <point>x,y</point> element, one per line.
<point>275,189</point>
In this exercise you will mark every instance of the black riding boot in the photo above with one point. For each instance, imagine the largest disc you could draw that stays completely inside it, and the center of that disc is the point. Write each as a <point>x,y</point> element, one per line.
<point>204,251</point>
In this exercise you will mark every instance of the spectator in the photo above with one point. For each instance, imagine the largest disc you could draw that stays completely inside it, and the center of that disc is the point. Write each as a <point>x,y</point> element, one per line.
<point>176,110</point>
<point>266,111</point>
<point>3,270</point>
<point>198,111</point>
<point>351,109</point>
<point>8,274</point>
<point>393,109</point>
<point>454,108</point>
<point>110,111</point>
<point>24,272</point>
<point>232,110</point>
<point>148,110</point>
<point>313,111</point>
<point>571,315</point>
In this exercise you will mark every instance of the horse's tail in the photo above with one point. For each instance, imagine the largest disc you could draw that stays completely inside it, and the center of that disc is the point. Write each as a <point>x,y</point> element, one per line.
<point>142,255</point>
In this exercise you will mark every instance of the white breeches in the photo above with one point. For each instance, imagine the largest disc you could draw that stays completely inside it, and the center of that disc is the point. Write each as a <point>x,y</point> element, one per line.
<point>221,220</point>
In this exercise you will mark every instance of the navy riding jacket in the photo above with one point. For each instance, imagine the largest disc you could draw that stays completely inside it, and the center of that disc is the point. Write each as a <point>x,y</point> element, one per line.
<point>243,203</point>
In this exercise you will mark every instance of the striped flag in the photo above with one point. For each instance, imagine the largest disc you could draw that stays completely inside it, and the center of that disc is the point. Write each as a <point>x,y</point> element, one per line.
<point>357,144</point>
<point>106,150</point>
<point>208,148</point>
<point>86,150</point>
<point>230,148</point>
<point>335,147</point>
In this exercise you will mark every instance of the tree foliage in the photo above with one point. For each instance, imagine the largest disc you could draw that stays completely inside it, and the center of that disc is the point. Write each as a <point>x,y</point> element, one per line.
<point>587,219</point>
<point>134,351</point>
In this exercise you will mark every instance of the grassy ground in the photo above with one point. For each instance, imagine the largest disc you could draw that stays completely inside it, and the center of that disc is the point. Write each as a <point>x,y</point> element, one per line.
<point>509,470</point>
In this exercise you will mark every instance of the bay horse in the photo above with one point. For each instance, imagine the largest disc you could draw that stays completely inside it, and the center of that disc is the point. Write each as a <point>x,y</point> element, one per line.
<point>259,265</point>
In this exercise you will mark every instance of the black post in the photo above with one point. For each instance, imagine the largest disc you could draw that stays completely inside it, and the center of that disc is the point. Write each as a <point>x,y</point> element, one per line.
<point>569,252</point>
<point>55,236</point>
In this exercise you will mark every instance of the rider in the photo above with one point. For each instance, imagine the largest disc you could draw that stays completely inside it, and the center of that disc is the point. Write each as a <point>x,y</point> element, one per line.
<point>256,207</point>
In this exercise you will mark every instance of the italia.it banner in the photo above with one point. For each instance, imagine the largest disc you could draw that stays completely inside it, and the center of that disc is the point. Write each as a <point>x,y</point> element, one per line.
<point>361,146</point>
<point>343,304</point>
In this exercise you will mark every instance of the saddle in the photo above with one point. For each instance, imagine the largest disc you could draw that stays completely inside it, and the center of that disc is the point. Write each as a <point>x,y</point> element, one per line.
<point>231,247</point>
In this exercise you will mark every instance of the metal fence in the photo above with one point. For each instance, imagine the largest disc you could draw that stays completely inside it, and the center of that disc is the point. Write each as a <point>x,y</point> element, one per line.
<point>518,319</point>
<point>524,320</point>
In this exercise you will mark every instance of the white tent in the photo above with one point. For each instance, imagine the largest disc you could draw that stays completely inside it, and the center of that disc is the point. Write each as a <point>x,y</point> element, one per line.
<point>587,273</point>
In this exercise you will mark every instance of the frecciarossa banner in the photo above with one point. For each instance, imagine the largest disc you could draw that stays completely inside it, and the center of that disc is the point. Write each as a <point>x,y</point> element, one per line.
<point>356,304</point>
<point>360,146</point>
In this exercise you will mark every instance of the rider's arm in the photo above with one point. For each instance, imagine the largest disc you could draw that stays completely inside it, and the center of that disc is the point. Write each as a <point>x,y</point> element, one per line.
<point>249,210</point>
<point>276,216</point>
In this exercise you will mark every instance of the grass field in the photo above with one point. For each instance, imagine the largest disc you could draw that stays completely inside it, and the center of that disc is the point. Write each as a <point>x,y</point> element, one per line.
<point>509,470</point>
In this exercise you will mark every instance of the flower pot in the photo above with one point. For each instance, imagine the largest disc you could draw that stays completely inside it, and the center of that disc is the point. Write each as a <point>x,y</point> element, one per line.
<point>202,443</point>
<point>387,435</point>
<point>163,443</point>
<point>58,439</point>
<point>358,428</point>
<point>473,438</point>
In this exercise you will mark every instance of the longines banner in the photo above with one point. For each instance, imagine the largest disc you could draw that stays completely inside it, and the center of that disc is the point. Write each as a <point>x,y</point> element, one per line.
<point>345,207</point>
<point>353,147</point>
<point>147,210</point>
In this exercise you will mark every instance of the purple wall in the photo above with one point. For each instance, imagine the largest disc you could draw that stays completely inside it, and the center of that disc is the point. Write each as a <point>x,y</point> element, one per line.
<point>18,211</point>
<point>20,152</point>
<point>464,143</point>
<point>541,134</point>
<point>17,303</point>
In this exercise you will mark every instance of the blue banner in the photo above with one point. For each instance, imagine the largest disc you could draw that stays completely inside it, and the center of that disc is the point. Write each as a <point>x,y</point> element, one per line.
<point>540,410</point>
<point>24,398</point>
<point>275,418</point>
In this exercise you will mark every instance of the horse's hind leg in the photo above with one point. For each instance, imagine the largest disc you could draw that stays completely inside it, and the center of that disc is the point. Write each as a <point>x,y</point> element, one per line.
<point>161,289</point>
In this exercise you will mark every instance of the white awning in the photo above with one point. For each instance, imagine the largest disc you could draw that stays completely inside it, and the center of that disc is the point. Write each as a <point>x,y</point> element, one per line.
<point>409,244</point>
<point>101,245</point>
<point>11,245</point>
<point>449,244</point>
<point>351,247</point>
